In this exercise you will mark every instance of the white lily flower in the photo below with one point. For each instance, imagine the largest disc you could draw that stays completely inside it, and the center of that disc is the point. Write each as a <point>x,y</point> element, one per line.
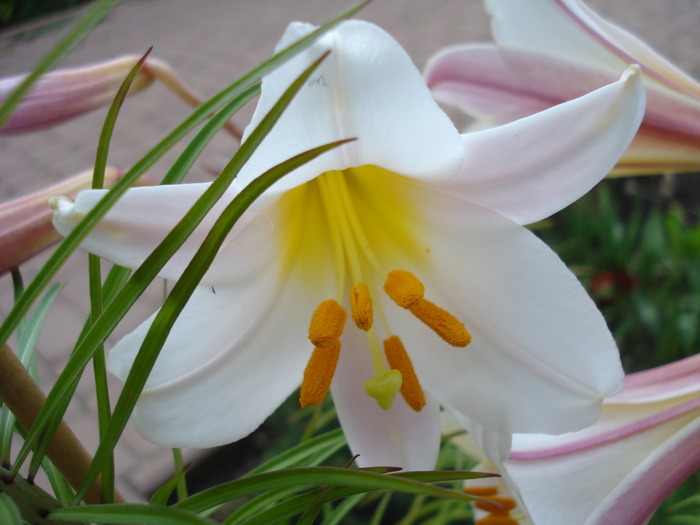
<point>620,469</point>
<point>551,51</point>
<point>410,206</point>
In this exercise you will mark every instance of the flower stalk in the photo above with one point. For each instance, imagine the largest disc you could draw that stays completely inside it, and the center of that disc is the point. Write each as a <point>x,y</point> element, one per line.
<point>24,398</point>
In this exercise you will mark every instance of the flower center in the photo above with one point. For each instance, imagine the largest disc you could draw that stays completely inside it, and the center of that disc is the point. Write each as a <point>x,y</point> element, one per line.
<point>355,259</point>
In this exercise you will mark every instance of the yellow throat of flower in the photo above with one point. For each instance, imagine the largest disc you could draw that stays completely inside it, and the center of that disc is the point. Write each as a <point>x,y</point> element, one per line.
<point>326,210</point>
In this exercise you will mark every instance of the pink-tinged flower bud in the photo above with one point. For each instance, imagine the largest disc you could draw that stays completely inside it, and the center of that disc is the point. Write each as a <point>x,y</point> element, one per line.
<point>64,94</point>
<point>25,222</point>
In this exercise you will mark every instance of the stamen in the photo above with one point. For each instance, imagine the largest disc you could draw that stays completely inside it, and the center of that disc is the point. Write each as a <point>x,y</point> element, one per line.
<point>493,519</point>
<point>398,359</point>
<point>497,505</point>
<point>404,288</point>
<point>481,490</point>
<point>327,324</point>
<point>443,322</point>
<point>361,306</point>
<point>318,375</point>
<point>384,388</point>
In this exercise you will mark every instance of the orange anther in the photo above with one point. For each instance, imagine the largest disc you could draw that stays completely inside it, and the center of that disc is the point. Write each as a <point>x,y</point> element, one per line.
<point>481,490</point>
<point>443,322</point>
<point>327,324</point>
<point>318,375</point>
<point>361,306</point>
<point>492,519</point>
<point>398,359</point>
<point>496,505</point>
<point>404,288</point>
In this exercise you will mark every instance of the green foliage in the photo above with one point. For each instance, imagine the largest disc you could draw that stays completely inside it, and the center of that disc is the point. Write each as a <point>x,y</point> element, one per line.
<point>640,266</point>
<point>16,11</point>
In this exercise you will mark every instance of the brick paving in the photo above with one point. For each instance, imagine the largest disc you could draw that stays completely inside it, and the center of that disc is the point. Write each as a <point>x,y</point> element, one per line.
<point>210,43</point>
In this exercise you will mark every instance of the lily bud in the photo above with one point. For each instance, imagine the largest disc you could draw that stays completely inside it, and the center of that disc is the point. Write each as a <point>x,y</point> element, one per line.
<point>25,222</point>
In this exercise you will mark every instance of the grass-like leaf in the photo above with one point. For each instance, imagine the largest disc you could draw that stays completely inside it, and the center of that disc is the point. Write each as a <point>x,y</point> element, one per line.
<point>160,497</point>
<point>321,476</point>
<point>130,513</point>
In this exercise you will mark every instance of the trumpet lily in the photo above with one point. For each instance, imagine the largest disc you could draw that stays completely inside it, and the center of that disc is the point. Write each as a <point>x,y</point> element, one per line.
<point>551,51</point>
<point>64,94</point>
<point>620,469</point>
<point>416,231</point>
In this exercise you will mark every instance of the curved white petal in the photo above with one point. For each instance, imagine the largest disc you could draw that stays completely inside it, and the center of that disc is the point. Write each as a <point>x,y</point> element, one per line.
<point>608,484</point>
<point>541,357</point>
<point>234,354</point>
<point>366,88</point>
<point>142,218</point>
<point>500,85</point>
<point>533,167</point>
<point>570,30</point>
<point>398,437</point>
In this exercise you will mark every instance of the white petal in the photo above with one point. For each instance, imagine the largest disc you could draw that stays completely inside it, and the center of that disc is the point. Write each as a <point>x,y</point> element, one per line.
<point>142,218</point>
<point>500,85</point>
<point>367,88</point>
<point>570,30</point>
<point>397,437</point>
<point>533,167</point>
<point>234,354</point>
<point>541,26</point>
<point>541,357</point>
<point>495,445</point>
<point>608,484</point>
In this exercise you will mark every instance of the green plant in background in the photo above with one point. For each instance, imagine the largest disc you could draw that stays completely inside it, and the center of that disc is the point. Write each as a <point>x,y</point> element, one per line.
<point>16,11</point>
<point>639,261</point>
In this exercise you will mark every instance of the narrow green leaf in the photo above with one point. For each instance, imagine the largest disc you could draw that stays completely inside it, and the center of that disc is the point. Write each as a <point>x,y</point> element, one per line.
<point>9,513</point>
<point>190,154</point>
<point>160,497</point>
<point>297,504</point>
<point>329,440</point>
<point>130,513</point>
<point>98,11</point>
<point>315,476</point>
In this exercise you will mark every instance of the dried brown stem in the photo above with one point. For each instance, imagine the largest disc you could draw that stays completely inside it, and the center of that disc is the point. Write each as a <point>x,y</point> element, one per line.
<point>24,398</point>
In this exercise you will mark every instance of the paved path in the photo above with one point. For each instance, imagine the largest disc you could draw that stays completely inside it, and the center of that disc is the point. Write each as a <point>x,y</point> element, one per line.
<point>210,43</point>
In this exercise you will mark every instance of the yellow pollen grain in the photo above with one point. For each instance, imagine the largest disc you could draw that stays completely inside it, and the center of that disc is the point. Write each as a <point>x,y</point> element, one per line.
<point>443,322</point>
<point>361,306</point>
<point>398,359</point>
<point>327,324</point>
<point>404,288</point>
<point>318,375</point>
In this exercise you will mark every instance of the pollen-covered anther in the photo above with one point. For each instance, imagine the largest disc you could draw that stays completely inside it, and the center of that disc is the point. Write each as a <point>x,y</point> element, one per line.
<point>498,507</point>
<point>327,324</point>
<point>398,359</point>
<point>384,388</point>
<point>318,375</point>
<point>442,322</point>
<point>404,288</point>
<point>361,306</point>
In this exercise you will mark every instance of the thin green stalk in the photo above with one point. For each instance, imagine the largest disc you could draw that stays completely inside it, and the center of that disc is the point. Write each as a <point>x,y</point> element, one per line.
<point>179,466</point>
